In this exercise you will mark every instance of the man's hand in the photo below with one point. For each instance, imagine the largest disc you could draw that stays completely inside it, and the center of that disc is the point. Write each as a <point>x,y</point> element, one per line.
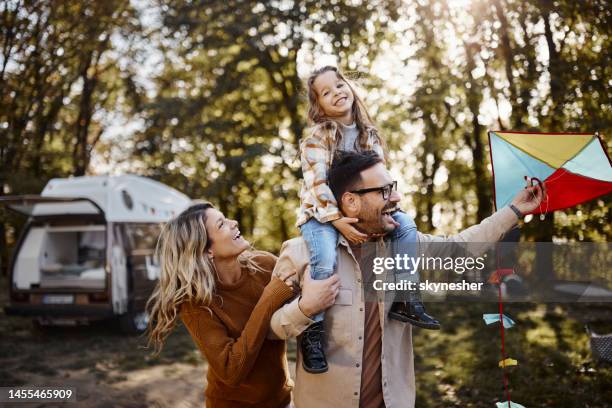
<point>318,295</point>
<point>529,199</point>
<point>348,231</point>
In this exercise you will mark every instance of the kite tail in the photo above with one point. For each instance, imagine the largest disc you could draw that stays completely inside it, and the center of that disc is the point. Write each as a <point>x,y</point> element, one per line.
<point>503,344</point>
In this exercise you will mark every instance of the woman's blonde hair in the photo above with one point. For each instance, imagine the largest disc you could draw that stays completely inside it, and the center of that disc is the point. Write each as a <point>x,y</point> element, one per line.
<point>362,118</point>
<point>187,273</point>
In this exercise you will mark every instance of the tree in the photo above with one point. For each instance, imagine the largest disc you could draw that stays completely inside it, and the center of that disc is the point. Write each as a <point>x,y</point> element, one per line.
<point>59,77</point>
<point>228,115</point>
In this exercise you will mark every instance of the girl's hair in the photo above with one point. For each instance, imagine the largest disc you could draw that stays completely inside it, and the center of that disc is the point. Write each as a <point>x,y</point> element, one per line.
<point>187,273</point>
<point>360,113</point>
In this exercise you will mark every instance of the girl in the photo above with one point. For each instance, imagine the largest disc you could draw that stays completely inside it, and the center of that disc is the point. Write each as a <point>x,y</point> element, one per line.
<point>225,294</point>
<point>341,122</point>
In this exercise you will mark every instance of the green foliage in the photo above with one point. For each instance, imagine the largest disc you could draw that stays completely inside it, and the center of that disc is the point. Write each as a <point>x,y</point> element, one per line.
<point>60,81</point>
<point>216,92</point>
<point>531,66</point>
<point>228,114</point>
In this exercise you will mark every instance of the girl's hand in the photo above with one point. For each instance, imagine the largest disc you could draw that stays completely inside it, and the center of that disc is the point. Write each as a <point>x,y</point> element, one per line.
<point>348,231</point>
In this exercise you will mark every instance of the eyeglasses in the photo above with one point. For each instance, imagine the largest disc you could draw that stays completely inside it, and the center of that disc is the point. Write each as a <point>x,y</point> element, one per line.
<point>384,190</point>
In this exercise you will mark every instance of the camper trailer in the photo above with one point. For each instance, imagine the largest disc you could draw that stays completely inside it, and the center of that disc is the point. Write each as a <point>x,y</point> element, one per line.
<point>87,249</point>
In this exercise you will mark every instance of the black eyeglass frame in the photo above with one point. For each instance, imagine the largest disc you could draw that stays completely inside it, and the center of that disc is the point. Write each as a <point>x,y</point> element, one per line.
<point>385,190</point>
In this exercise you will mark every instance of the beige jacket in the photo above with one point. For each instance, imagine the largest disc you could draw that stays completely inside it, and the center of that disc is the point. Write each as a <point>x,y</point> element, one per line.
<point>344,323</point>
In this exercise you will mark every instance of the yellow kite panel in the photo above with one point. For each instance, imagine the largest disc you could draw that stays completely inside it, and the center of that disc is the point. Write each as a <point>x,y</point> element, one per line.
<point>551,149</point>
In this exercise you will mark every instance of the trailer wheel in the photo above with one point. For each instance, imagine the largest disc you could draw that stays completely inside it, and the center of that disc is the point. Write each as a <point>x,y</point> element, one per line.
<point>134,323</point>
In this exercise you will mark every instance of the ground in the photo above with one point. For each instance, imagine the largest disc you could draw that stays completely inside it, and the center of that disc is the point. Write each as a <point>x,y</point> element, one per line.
<point>456,367</point>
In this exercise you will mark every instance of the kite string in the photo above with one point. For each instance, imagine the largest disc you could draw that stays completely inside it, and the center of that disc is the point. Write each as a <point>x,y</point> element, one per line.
<point>530,181</point>
<point>501,328</point>
<point>503,345</point>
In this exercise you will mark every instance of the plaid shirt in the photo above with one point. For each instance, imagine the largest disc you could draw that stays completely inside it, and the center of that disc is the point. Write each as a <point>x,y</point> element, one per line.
<point>316,155</point>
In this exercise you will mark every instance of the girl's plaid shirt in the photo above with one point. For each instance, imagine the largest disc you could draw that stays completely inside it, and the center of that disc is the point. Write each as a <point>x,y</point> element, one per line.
<point>316,155</point>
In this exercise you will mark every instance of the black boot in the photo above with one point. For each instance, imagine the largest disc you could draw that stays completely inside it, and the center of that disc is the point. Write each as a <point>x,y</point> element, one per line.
<point>413,313</point>
<point>408,308</point>
<point>313,356</point>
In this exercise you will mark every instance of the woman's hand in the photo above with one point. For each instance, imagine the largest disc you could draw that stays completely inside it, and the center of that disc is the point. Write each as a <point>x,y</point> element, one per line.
<point>529,199</point>
<point>318,295</point>
<point>289,276</point>
<point>348,231</point>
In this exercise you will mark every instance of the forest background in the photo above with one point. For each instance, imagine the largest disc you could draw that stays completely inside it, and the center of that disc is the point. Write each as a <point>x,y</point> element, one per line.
<point>208,97</point>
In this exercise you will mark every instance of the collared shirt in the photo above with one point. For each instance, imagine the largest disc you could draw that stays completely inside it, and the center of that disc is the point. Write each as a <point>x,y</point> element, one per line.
<point>344,323</point>
<point>316,156</point>
<point>371,395</point>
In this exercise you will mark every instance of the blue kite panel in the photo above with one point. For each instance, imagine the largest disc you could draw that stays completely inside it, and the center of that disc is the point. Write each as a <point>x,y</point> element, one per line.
<point>510,166</point>
<point>591,162</point>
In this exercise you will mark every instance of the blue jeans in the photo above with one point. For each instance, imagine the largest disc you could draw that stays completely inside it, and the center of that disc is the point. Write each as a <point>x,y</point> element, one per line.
<point>321,240</point>
<point>404,242</point>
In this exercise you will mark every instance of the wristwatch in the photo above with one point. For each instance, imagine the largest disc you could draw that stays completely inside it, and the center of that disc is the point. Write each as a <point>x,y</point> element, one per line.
<point>518,212</point>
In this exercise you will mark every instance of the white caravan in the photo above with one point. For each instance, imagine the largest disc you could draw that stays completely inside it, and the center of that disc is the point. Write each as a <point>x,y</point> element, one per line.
<point>87,249</point>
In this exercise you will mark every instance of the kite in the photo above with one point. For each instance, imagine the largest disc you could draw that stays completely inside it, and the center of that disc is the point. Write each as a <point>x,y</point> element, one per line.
<point>507,363</point>
<point>490,318</point>
<point>497,275</point>
<point>509,404</point>
<point>573,167</point>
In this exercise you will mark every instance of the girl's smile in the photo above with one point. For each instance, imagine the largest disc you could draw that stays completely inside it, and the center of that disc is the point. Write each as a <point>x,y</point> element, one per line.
<point>340,101</point>
<point>334,96</point>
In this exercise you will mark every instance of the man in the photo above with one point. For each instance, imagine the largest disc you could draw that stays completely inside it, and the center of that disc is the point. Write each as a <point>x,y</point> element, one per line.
<point>369,355</point>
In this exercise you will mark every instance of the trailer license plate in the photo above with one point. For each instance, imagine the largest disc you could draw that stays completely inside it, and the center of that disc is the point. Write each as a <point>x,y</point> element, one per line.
<point>58,299</point>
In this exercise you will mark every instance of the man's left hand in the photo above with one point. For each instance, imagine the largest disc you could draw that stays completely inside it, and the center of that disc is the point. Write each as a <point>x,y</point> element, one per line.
<point>529,199</point>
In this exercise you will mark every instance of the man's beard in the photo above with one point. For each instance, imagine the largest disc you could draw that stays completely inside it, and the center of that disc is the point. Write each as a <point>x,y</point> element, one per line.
<point>371,219</point>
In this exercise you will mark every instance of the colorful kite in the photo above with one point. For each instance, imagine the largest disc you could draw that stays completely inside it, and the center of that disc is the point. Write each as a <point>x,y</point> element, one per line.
<point>509,404</point>
<point>491,318</point>
<point>507,363</point>
<point>573,167</point>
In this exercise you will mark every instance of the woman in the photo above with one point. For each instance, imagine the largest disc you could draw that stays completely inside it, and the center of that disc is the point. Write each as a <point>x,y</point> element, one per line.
<point>225,295</point>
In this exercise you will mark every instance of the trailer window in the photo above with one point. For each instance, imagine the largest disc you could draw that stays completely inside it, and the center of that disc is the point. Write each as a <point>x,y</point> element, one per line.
<point>66,256</point>
<point>143,237</point>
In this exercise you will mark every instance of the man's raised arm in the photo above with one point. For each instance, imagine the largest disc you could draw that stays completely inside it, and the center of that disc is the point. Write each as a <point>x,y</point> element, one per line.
<point>479,238</point>
<point>476,239</point>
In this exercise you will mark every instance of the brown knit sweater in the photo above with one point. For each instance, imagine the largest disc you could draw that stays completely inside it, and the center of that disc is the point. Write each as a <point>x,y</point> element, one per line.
<point>245,369</point>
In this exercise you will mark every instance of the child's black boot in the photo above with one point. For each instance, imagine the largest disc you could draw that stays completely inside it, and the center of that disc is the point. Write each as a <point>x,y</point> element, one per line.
<point>313,356</point>
<point>408,308</point>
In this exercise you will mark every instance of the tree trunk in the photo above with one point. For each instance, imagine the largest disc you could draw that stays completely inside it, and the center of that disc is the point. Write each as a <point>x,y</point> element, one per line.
<point>474,98</point>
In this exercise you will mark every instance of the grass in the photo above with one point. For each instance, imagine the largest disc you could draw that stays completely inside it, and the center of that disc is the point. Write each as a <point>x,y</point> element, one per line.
<point>458,366</point>
<point>99,348</point>
<point>455,367</point>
